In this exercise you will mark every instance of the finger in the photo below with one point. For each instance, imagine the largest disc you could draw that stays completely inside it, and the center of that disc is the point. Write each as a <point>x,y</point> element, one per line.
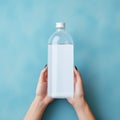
<point>75,80</point>
<point>43,75</point>
<point>78,85</point>
<point>77,75</point>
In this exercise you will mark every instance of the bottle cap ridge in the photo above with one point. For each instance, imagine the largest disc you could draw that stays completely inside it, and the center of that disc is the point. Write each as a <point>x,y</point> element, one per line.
<point>60,25</point>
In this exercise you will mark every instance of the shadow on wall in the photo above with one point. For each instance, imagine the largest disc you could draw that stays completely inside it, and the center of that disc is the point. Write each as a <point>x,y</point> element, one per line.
<point>86,60</point>
<point>90,93</point>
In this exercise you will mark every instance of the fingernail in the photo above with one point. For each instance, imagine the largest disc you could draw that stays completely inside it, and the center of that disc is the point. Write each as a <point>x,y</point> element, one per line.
<point>45,66</point>
<point>76,67</point>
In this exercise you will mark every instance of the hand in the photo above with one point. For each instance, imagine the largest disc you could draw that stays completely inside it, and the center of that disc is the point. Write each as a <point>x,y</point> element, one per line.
<point>78,102</point>
<point>41,100</point>
<point>78,98</point>
<point>41,90</point>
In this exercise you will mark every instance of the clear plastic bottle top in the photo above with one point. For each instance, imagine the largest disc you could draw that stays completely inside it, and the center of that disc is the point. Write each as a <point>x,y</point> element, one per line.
<point>60,36</point>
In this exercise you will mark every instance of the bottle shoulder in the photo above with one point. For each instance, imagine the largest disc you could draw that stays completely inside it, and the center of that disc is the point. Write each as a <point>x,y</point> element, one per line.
<point>60,37</point>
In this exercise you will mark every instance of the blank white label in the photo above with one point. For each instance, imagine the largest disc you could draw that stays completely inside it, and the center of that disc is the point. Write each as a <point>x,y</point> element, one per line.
<point>60,70</point>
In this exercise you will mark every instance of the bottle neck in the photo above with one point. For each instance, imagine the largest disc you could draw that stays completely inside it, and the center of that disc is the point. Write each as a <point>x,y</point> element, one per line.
<point>60,29</point>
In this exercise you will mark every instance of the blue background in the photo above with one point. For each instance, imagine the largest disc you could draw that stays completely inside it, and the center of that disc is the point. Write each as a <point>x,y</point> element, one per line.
<point>25,26</point>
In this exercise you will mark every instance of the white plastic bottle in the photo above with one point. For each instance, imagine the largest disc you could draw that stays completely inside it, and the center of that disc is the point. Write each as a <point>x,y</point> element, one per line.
<point>60,63</point>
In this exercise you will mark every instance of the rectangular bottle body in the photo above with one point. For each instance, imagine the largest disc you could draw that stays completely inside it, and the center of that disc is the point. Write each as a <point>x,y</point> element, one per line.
<point>60,70</point>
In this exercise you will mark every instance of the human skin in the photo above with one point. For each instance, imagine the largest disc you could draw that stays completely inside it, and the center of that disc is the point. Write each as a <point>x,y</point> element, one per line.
<point>41,99</point>
<point>78,101</point>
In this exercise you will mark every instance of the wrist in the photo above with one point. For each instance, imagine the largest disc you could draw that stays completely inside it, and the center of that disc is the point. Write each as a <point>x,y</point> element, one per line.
<point>36,109</point>
<point>41,102</point>
<point>83,111</point>
<point>79,104</point>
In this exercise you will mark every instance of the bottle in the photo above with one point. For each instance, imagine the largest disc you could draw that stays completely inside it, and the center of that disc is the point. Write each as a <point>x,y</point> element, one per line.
<point>60,63</point>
